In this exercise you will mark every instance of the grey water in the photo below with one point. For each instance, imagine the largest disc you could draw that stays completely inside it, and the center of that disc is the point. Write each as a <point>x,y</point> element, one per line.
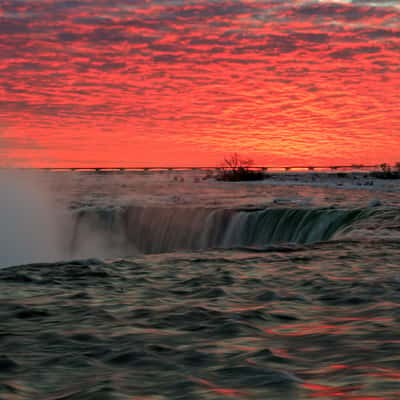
<point>144,286</point>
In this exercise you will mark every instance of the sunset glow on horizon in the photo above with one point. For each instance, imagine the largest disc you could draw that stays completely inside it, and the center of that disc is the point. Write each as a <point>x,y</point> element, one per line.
<point>175,82</point>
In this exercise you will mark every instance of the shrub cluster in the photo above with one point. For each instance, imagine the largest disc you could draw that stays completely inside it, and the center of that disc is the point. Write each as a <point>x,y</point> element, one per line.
<point>236,169</point>
<point>387,172</point>
<point>240,174</point>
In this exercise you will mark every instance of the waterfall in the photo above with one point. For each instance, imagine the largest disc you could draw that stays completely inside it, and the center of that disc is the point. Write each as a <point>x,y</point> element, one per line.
<point>118,232</point>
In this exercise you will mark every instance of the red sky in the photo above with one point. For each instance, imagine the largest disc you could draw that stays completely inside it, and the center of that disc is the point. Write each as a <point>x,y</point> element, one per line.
<point>174,82</point>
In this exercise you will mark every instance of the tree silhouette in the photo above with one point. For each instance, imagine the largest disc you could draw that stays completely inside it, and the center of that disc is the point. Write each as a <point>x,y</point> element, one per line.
<point>235,162</point>
<point>237,168</point>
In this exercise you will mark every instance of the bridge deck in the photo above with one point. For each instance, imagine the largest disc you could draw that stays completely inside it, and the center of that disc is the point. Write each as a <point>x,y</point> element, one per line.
<point>205,168</point>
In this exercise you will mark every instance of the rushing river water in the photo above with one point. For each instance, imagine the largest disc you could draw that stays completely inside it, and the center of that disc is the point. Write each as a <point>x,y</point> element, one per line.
<point>200,290</point>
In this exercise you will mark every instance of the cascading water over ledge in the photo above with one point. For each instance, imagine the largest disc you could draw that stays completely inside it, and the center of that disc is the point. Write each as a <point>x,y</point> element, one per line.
<point>128,230</point>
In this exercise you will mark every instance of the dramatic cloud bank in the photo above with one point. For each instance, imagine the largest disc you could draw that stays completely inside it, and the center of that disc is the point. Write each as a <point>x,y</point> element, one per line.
<point>187,81</point>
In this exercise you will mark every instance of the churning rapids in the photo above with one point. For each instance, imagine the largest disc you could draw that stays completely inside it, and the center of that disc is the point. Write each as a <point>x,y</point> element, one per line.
<point>181,288</point>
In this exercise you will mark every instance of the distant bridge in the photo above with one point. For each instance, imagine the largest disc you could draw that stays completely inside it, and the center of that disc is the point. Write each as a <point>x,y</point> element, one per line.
<point>205,168</point>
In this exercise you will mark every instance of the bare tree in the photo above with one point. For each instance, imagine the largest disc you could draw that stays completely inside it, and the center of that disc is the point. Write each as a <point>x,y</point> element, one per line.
<point>237,168</point>
<point>385,168</point>
<point>235,162</point>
